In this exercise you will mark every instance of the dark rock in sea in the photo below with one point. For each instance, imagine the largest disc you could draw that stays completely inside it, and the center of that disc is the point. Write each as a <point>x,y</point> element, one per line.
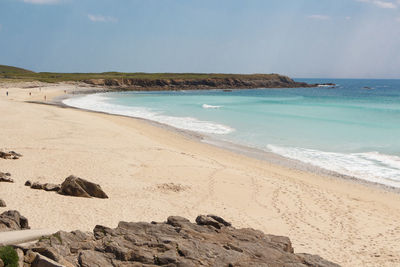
<point>177,242</point>
<point>2,203</point>
<point>6,177</point>
<point>78,187</point>
<point>28,183</point>
<point>10,155</point>
<point>12,220</point>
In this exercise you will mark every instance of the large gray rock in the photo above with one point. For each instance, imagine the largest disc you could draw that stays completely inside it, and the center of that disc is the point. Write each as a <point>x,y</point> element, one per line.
<point>177,242</point>
<point>89,258</point>
<point>78,187</point>
<point>42,261</point>
<point>12,220</point>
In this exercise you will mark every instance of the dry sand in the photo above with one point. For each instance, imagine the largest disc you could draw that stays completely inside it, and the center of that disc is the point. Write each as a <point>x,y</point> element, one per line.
<point>151,173</point>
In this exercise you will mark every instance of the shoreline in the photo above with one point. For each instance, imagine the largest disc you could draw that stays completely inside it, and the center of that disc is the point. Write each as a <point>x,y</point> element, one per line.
<point>151,172</point>
<point>248,151</point>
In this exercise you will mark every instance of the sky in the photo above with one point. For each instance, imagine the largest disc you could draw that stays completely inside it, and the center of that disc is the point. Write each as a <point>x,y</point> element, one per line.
<point>298,38</point>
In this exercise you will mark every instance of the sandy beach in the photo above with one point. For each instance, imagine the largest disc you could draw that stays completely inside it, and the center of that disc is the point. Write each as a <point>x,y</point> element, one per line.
<point>150,173</point>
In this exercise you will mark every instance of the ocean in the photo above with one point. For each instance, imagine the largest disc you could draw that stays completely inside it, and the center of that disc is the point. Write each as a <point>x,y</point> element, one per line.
<point>352,129</point>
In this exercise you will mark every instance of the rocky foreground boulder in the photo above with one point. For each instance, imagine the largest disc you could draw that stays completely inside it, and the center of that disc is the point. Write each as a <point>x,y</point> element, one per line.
<point>13,220</point>
<point>177,242</point>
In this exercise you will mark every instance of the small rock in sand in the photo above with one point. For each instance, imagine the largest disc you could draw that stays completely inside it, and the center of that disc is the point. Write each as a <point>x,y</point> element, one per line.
<point>37,185</point>
<point>51,187</point>
<point>10,155</point>
<point>46,186</point>
<point>5,177</point>
<point>2,203</point>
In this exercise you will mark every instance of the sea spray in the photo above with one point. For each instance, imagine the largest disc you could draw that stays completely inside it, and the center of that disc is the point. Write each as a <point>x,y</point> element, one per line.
<point>98,102</point>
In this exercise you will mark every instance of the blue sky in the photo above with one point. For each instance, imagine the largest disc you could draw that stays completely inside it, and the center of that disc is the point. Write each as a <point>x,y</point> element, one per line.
<point>299,38</point>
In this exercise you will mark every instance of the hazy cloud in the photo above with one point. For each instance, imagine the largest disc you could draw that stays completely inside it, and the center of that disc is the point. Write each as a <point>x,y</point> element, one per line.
<point>42,2</point>
<point>319,17</point>
<point>381,4</point>
<point>100,18</point>
<point>384,4</point>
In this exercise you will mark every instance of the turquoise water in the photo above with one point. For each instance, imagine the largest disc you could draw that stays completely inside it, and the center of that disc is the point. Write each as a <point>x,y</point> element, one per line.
<point>348,129</point>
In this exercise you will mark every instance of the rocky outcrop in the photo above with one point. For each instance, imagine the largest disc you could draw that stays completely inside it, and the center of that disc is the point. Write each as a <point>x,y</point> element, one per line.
<point>242,82</point>
<point>78,187</point>
<point>2,203</point>
<point>72,186</point>
<point>177,242</point>
<point>6,177</point>
<point>13,220</point>
<point>10,155</point>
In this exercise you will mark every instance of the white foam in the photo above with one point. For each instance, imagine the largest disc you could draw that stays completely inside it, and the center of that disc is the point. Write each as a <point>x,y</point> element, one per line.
<point>98,102</point>
<point>370,166</point>
<point>210,106</point>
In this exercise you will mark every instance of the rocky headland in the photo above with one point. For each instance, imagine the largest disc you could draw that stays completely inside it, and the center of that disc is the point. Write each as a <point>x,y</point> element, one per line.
<point>211,241</point>
<point>254,81</point>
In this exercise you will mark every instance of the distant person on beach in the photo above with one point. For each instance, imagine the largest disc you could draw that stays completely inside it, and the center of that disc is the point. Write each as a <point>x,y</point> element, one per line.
<point>44,98</point>
<point>7,93</point>
<point>30,93</point>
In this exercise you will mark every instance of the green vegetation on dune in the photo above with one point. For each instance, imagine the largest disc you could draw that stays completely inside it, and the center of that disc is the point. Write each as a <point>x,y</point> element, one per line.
<point>13,73</point>
<point>9,256</point>
<point>4,70</point>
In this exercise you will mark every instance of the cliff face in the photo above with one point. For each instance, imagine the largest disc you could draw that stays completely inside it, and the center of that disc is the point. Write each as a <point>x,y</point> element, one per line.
<point>194,84</point>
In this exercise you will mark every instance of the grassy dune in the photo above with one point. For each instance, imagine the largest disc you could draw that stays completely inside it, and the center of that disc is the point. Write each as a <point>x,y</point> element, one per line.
<point>13,73</point>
